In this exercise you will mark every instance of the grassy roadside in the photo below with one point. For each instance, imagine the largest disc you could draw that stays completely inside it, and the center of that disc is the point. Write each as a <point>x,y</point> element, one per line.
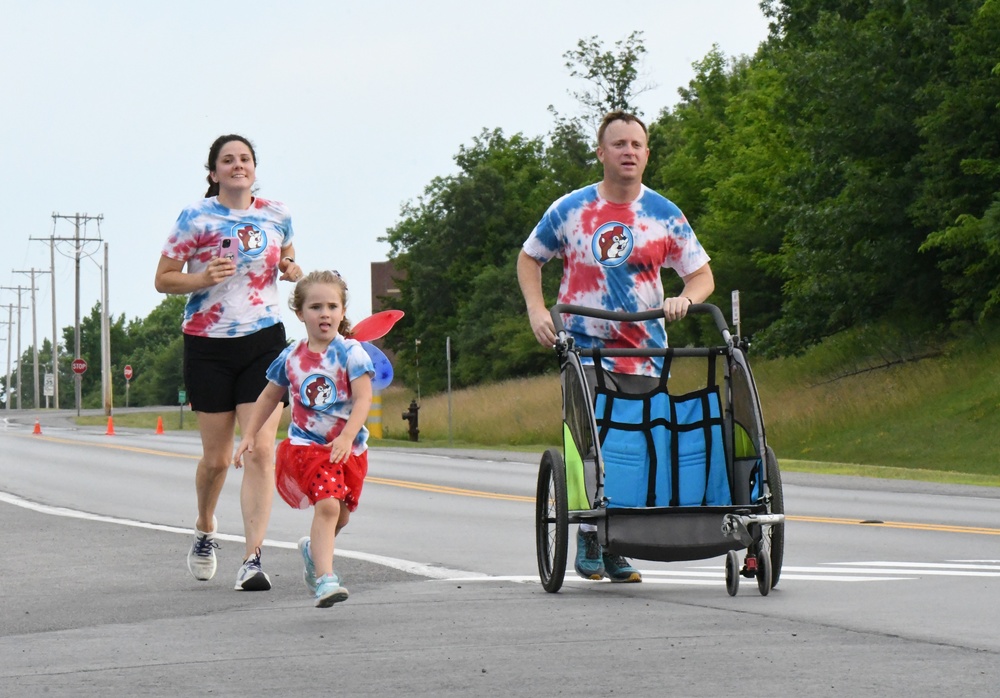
<point>867,404</point>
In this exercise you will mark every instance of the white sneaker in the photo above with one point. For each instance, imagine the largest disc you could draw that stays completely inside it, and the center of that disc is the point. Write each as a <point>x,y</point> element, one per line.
<point>201,556</point>
<point>251,576</point>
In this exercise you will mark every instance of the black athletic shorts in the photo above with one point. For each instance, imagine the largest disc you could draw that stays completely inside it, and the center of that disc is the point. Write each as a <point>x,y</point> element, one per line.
<point>220,373</point>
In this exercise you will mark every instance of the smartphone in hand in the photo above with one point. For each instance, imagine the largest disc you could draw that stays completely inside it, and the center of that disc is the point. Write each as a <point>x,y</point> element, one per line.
<point>228,249</point>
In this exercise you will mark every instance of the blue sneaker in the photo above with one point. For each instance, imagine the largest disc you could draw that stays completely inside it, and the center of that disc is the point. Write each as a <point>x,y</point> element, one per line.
<point>618,569</point>
<point>309,570</point>
<point>589,563</point>
<point>329,591</point>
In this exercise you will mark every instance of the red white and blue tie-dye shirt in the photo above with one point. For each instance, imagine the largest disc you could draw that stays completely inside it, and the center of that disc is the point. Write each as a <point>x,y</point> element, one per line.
<point>247,301</point>
<point>612,255</point>
<point>321,389</point>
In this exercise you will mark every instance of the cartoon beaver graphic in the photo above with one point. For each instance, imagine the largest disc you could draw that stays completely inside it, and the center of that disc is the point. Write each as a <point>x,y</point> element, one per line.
<point>319,391</point>
<point>613,243</point>
<point>251,237</point>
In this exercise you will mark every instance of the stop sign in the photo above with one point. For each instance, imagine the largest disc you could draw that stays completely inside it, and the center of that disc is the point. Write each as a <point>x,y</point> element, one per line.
<point>128,372</point>
<point>79,366</point>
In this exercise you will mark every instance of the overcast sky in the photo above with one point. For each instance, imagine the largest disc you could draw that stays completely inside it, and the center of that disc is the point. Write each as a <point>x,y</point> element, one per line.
<point>109,109</point>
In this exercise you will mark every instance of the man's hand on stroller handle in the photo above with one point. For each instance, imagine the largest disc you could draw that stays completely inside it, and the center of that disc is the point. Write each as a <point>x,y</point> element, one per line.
<point>542,326</point>
<point>676,308</point>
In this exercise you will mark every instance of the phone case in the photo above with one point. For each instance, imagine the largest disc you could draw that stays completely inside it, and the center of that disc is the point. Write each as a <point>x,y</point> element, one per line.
<point>228,248</point>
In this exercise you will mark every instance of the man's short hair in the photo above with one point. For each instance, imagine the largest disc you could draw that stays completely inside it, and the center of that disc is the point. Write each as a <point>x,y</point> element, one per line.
<point>618,115</point>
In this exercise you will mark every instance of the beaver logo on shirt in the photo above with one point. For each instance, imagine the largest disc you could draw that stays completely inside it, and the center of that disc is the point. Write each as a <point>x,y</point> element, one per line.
<point>317,392</point>
<point>253,240</point>
<point>612,244</point>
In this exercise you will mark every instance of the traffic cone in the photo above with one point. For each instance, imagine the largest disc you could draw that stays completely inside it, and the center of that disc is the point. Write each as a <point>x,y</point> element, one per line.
<point>159,425</point>
<point>38,428</point>
<point>111,427</point>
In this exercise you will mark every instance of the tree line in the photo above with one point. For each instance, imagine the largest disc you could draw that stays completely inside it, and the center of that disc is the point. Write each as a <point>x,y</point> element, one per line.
<point>846,174</point>
<point>153,346</point>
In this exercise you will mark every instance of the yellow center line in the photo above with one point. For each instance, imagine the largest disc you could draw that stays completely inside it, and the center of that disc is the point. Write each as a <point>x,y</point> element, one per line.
<point>116,447</point>
<point>442,489</point>
<point>943,528</point>
<point>461,492</point>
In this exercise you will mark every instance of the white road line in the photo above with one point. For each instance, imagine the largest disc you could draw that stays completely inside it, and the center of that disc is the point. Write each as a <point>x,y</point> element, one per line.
<point>660,577</point>
<point>789,572</point>
<point>417,568</point>
<point>698,575</point>
<point>956,565</point>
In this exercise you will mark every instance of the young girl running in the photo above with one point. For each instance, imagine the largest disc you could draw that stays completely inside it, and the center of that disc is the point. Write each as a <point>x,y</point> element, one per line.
<point>324,460</point>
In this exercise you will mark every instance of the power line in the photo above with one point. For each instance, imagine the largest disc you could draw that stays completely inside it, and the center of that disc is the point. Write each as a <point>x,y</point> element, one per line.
<point>10,319</point>
<point>78,220</point>
<point>34,329</point>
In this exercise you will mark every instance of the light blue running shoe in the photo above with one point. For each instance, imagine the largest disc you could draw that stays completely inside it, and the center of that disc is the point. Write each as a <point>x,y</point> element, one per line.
<point>589,563</point>
<point>329,591</point>
<point>309,570</point>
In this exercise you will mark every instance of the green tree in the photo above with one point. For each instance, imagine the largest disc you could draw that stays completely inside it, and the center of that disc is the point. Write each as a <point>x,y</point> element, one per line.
<point>465,226</point>
<point>157,354</point>
<point>745,218</point>
<point>611,75</point>
<point>959,198</point>
<point>90,350</point>
<point>854,80</point>
<point>26,363</point>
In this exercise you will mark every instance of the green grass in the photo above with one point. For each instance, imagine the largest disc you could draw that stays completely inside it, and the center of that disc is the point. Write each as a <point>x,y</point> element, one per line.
<point>145,420</point>
<point>937,414</point>
<point>863,403</point>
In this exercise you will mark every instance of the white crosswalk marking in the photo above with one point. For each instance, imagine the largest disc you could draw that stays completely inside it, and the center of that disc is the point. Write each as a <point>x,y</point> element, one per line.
<point>850,572</point>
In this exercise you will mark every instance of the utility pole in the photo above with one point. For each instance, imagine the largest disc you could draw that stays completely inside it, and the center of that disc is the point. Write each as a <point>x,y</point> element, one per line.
<point>10,324</point>
<point>34,330</point>
<point>55,327</point>
<point>7,384</point>
<point>78,220</point>
<point>106,381</point>
<point>20,373</point>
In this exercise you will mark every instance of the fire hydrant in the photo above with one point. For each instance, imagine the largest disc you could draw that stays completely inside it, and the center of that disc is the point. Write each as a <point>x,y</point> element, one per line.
<point>412,417</point>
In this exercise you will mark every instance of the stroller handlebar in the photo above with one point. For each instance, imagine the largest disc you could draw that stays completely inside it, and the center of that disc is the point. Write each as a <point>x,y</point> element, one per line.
<point>561,309</point>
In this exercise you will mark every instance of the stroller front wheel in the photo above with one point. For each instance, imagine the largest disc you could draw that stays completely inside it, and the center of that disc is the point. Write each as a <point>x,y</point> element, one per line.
<point>551,521</point>
<point>732,572</point>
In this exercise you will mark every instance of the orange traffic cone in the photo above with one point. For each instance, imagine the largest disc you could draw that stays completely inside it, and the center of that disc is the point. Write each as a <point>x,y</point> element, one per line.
<point>159,425</point>
<point>111,427</point>
<point>38,428</point>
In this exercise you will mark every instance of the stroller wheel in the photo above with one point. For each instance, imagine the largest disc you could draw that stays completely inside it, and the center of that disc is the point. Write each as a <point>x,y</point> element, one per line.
<point>732,572</point>
<point>551,521</point>
<point>764,571</point>
<point>775,533</point>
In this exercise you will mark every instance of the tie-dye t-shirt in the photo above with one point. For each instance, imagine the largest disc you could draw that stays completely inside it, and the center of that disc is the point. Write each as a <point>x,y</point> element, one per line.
<point>321,389</point>
<point>247,301</point>
<point>612,255</point>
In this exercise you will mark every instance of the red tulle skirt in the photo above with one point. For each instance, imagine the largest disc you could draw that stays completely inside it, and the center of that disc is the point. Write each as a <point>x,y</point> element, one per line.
<point>304,475</point>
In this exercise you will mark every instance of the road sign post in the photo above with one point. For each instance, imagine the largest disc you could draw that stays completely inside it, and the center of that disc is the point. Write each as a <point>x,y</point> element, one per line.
<point>79,367</point>
<point>181,399</point>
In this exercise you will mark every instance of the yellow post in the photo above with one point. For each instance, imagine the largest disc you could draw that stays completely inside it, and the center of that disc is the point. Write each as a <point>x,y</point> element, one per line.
<point>374,421</point>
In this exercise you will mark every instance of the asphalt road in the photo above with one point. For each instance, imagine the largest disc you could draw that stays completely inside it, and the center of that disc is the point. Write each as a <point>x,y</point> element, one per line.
<point>444,598</point>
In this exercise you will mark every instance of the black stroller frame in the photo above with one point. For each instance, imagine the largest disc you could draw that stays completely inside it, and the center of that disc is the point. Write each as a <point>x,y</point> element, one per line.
<point>660,485</point>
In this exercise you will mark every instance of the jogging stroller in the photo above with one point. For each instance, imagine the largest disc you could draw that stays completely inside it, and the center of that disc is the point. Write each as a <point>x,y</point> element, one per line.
<point>664,475</point>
